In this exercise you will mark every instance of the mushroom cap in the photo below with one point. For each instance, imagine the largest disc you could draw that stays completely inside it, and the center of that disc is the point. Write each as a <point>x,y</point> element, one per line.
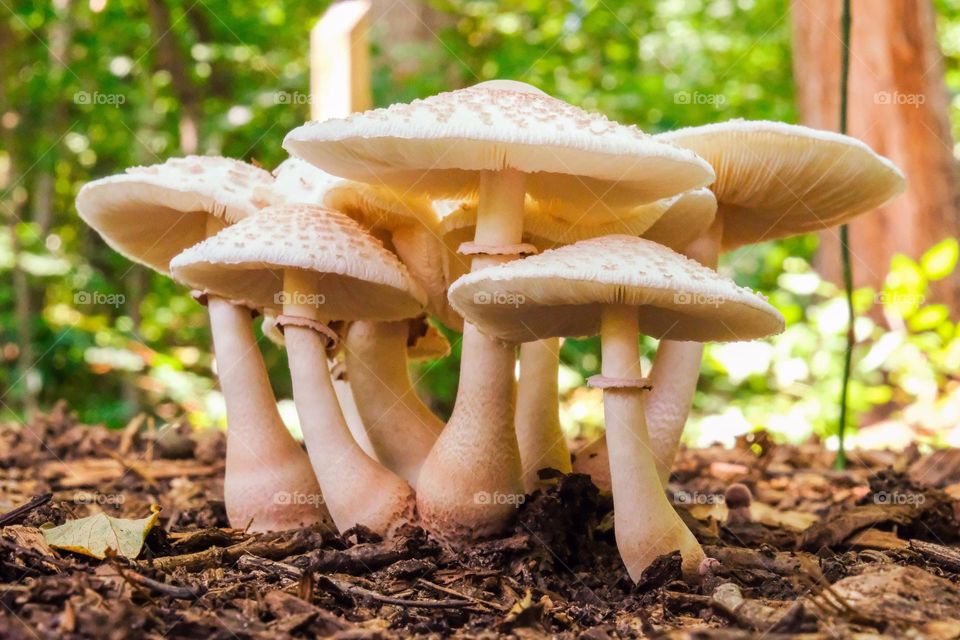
<point>428,345</point>
<point>688,216</point>
<point>356,277</point>
<point>776,180</point>
<point>561,292</point>
<point>378,207</point>
<point>150,214</point>
<point>298,182</point>
<point>441,144</point>
<point>412,223</point>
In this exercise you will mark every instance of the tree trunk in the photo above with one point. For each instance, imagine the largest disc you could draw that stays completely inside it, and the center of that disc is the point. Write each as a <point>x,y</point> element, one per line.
<point>170,58</point>
<point>899,106</point>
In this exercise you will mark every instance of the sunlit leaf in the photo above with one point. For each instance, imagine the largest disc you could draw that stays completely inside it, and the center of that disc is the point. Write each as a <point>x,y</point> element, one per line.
<point>94,535</point>
<point>939,261</point>
<point>929,317</point>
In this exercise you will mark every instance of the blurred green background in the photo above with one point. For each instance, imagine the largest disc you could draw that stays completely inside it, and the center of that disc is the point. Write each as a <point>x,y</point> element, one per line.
<point>90,88</point>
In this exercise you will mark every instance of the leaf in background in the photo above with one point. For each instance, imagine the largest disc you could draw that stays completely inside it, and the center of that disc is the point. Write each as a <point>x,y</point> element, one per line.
<point>940,259</point>
<point>92,536</point>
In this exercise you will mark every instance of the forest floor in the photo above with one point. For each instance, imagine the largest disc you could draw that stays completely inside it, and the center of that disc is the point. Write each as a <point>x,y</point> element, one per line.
<point>862,553</point>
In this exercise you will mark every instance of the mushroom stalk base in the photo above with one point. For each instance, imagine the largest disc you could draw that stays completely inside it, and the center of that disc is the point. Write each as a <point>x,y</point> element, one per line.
<point>268,482</point>
<point>357,488</point>
<point>470,484</point>
<point>400,427</point>
<point>539,435</point>
<point>645,523</point>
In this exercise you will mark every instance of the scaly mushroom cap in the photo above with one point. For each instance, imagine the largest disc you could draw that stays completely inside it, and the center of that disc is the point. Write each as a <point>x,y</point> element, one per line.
<point>776,180</point>
<point>687,217</point>
<point>561,293</point>
<point>357,278</point>
<point>440,145</point>
<point>150,214</point>
<point>299,182</point>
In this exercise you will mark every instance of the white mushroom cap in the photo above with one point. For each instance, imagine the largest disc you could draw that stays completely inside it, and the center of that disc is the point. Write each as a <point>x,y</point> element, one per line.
<point>687,217</point>
<point>440,145</point>
<point>561,292</point>
<point>357,278</point>
<point>299,182</point>
<point>776,180</point>
<point>150,214</point>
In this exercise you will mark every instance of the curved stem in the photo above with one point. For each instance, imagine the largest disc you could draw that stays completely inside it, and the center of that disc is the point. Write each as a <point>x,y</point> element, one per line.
<point>401,428</point>
<point>539,435</point>
<point>470,482</point>
<point>357,488</point>
<point>645,524</point>
<point>268,482</point>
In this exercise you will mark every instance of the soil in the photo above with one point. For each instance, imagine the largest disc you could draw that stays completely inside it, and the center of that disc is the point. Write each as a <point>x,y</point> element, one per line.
<point>869,552</point>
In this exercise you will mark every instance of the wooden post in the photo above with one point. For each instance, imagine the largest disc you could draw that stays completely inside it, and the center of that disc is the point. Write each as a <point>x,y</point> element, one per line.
<point>340,61</point>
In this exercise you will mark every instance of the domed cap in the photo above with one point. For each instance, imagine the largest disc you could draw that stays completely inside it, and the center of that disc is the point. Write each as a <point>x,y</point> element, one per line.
<point>776,180</point>
<point>299,182</point>
<point>687,217</point>
<point>440,145</point>
<point>357,278</point>
<point>561,292</point>
<point>150,214</point>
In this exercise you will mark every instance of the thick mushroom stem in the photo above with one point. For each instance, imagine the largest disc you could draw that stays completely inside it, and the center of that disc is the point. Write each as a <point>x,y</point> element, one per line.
<point>268,482</point>
<point>541,440</point>
<point>401,428</point>
<point>645,524</point>
<point>470,484</point>
<point>357,488</point>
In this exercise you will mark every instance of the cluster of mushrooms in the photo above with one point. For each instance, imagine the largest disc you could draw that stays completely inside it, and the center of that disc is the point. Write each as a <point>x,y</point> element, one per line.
<point>503,213</point>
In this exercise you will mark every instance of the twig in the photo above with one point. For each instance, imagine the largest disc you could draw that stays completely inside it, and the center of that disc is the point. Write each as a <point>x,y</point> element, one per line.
<point>356,590</point>
<point>454,592</point>
<point>162,588</point>
<point>13,516</point>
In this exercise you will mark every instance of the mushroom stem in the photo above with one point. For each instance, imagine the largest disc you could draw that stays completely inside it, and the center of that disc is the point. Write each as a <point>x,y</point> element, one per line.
<point>357,488</point>
<point>645,524</point>
<point>470,484</point>
<point>676,369</point>
<point>268,482</point>
<point>401,428</point>
<point>541,440</point>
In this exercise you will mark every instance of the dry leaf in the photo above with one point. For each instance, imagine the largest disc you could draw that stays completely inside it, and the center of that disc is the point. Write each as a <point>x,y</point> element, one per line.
<point>92,536</point>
